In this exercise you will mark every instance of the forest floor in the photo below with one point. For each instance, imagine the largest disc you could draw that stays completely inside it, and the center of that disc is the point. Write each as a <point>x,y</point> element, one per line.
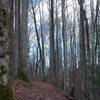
<point>36,91</point>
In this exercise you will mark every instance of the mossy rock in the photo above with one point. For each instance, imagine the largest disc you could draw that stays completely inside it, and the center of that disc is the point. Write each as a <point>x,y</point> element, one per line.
<point>6,93</point>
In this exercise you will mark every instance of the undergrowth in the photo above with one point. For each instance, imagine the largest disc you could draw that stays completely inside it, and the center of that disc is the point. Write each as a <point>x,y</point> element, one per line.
<point>6,93</point>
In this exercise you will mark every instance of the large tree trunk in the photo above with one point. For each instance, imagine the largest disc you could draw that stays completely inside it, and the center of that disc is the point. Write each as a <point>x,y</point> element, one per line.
<point>52,45</point>
<point>42,40</point>
<point>92,45</point>
<point>59,69</point>
<point>94,42</point>
<point>82,66</point>
<point>12,39</point>
<point>5,87</point>
<point>23,41</point>
<point>17,28</point>
<point>4,41</point>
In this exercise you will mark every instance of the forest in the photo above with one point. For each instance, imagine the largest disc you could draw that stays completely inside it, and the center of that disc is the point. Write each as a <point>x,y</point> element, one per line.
<point>49,49</point>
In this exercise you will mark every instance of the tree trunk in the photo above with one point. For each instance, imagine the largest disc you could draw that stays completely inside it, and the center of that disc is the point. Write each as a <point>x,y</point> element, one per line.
<point>59,68</point>
<point>52,44</point>
<point>11,44</point>
<point>4,41</point>
<point>64,36</point>
<point>4,48</point>
<point>38,40</point>
<point>17,30</point>
<point>82,66</point>
<point>23,41</point>
<point>42,40</point>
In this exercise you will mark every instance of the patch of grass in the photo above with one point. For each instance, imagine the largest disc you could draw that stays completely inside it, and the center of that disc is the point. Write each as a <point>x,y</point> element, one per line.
<point>6,93</point>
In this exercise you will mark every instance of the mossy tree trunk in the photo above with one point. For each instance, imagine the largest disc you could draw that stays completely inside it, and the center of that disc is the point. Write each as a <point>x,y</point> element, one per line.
<point>4,49</point>
<point>4,41</point>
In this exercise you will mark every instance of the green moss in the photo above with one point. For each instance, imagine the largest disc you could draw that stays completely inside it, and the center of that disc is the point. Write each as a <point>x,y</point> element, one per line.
<point>6,93</point>
<point>3,70</point>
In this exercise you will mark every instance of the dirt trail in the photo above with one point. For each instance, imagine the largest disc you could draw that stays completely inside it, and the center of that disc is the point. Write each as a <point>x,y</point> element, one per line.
<point>36,91</point>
